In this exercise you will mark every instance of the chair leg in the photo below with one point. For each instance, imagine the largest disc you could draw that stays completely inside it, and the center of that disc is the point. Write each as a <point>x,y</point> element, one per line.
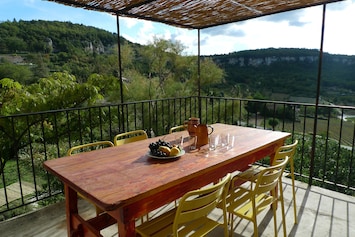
<point>225,224</point>
<point>256,232</point>
<point>293,191</point>
<point>274,213</point>
<point>230,222</point>
<point>98,211</point>
<point>282,208</point>
<point>146,217</point>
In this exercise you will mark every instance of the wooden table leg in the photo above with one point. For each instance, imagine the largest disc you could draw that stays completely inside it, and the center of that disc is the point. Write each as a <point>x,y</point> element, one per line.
<point>71,207</point>
<point>126,226</point>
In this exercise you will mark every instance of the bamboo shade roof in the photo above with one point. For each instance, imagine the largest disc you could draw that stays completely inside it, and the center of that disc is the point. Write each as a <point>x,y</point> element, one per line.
<point>193,14</point>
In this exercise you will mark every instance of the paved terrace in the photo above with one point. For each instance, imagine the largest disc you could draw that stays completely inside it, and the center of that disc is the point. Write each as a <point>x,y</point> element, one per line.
<point>321,212</point>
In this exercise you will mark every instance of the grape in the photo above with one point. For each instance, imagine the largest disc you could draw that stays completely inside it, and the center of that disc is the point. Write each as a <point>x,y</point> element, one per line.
<point>154,148</point>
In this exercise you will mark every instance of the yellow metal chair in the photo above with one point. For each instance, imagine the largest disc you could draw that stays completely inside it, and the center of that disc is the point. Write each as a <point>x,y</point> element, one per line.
<point>89,147</point>
<point>178,128</point>
<point>191,214</point>
<point>128,137</point>
<point>248,200</point>
<point>280,154</point>
<point>289,151</point>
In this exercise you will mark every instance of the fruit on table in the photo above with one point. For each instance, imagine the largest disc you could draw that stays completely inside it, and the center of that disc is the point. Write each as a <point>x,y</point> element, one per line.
<point>174,151</point>
<point>165,149</point>
<point>154,148</point>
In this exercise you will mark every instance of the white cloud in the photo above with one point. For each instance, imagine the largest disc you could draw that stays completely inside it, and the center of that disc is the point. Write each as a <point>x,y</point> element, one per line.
<point>29,2</point>
<point>145,33</point>
<point>339,30</point>
<point>129,22</point>
<point>188,38</point>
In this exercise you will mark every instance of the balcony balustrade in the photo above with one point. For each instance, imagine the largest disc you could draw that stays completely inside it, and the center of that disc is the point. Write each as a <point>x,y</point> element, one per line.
<point>27,140</point>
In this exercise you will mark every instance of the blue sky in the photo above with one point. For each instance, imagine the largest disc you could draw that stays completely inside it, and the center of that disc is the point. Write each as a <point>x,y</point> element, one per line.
<point>295,29</point>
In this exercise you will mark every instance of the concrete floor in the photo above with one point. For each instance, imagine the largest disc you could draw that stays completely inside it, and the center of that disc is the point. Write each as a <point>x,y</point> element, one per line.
<point>321,212</point>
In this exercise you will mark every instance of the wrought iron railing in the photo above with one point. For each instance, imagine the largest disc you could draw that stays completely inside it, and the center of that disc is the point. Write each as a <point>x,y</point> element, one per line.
<point>27,140</point>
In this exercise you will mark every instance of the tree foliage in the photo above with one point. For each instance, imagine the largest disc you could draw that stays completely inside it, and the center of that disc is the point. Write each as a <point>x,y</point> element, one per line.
<point>58,91</point>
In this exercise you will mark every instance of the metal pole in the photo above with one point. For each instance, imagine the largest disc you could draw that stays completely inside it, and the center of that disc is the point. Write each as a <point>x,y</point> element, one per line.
<point>122,124</point>
<point>311,170</point>
<point>199,76</point>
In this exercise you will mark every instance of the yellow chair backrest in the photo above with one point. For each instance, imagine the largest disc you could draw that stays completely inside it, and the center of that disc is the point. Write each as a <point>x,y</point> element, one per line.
<point>128,137</point>
<point>268,178</point>
<point>197,204</point>
<point>89,147</point>
<point>178,128</point>
<point>285,151</point>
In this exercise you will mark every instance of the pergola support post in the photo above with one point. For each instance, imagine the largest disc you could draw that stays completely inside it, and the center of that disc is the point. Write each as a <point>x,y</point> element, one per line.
<point>314,137</point>
<point>122,125</point>
<point>199,75</point>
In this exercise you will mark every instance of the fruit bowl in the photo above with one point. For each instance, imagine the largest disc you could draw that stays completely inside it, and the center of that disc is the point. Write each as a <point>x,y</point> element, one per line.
<point>164,150</point>
<point>182,152</point>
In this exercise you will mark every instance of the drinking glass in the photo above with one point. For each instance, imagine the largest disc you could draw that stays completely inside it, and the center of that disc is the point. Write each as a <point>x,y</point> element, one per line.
<point>193,141</point>
<point>178,140</point>
<point>213,141</point>
<point>231,142</point>
<point>225,139</point>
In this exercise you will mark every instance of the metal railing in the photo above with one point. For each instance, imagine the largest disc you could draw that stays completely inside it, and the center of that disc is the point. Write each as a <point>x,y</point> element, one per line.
<point>27,140</point>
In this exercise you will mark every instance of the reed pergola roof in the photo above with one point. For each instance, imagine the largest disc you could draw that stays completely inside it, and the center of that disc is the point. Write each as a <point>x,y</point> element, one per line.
<point>193,14</point>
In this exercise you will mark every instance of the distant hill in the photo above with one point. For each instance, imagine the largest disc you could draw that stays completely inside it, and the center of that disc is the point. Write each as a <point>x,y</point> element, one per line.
<point>48,46</point>
<point>292,72</point>
<point>52,36</point>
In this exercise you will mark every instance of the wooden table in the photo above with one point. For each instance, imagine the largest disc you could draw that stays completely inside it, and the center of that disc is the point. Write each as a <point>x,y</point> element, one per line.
<point>127,184</point>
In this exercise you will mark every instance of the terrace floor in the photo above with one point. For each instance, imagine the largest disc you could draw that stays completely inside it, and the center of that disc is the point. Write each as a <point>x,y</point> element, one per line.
<point>321,212</point>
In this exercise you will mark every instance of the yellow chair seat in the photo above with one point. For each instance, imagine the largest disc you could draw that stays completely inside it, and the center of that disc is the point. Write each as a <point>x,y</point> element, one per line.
<point>163,226</point>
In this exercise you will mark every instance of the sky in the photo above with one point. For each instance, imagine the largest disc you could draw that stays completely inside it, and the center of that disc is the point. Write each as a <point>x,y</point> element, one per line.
<point>293,29</point>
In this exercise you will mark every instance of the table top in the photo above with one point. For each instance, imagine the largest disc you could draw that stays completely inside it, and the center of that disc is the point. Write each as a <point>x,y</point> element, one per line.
<point>115,176</point>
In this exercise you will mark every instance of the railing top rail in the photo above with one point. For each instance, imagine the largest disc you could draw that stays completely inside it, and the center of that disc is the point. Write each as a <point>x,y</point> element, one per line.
<point>292,103</point>
<point>92,107</point>
<point>281,102</point>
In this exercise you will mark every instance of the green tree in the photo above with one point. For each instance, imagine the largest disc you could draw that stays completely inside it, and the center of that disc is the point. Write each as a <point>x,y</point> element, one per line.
<point>273,122</point>
<point>19,73</point>
<point>160,59</point>
<point>211,74</point>
<point>40,65</point>
<point>108,86</point>
<point>58,91</point>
